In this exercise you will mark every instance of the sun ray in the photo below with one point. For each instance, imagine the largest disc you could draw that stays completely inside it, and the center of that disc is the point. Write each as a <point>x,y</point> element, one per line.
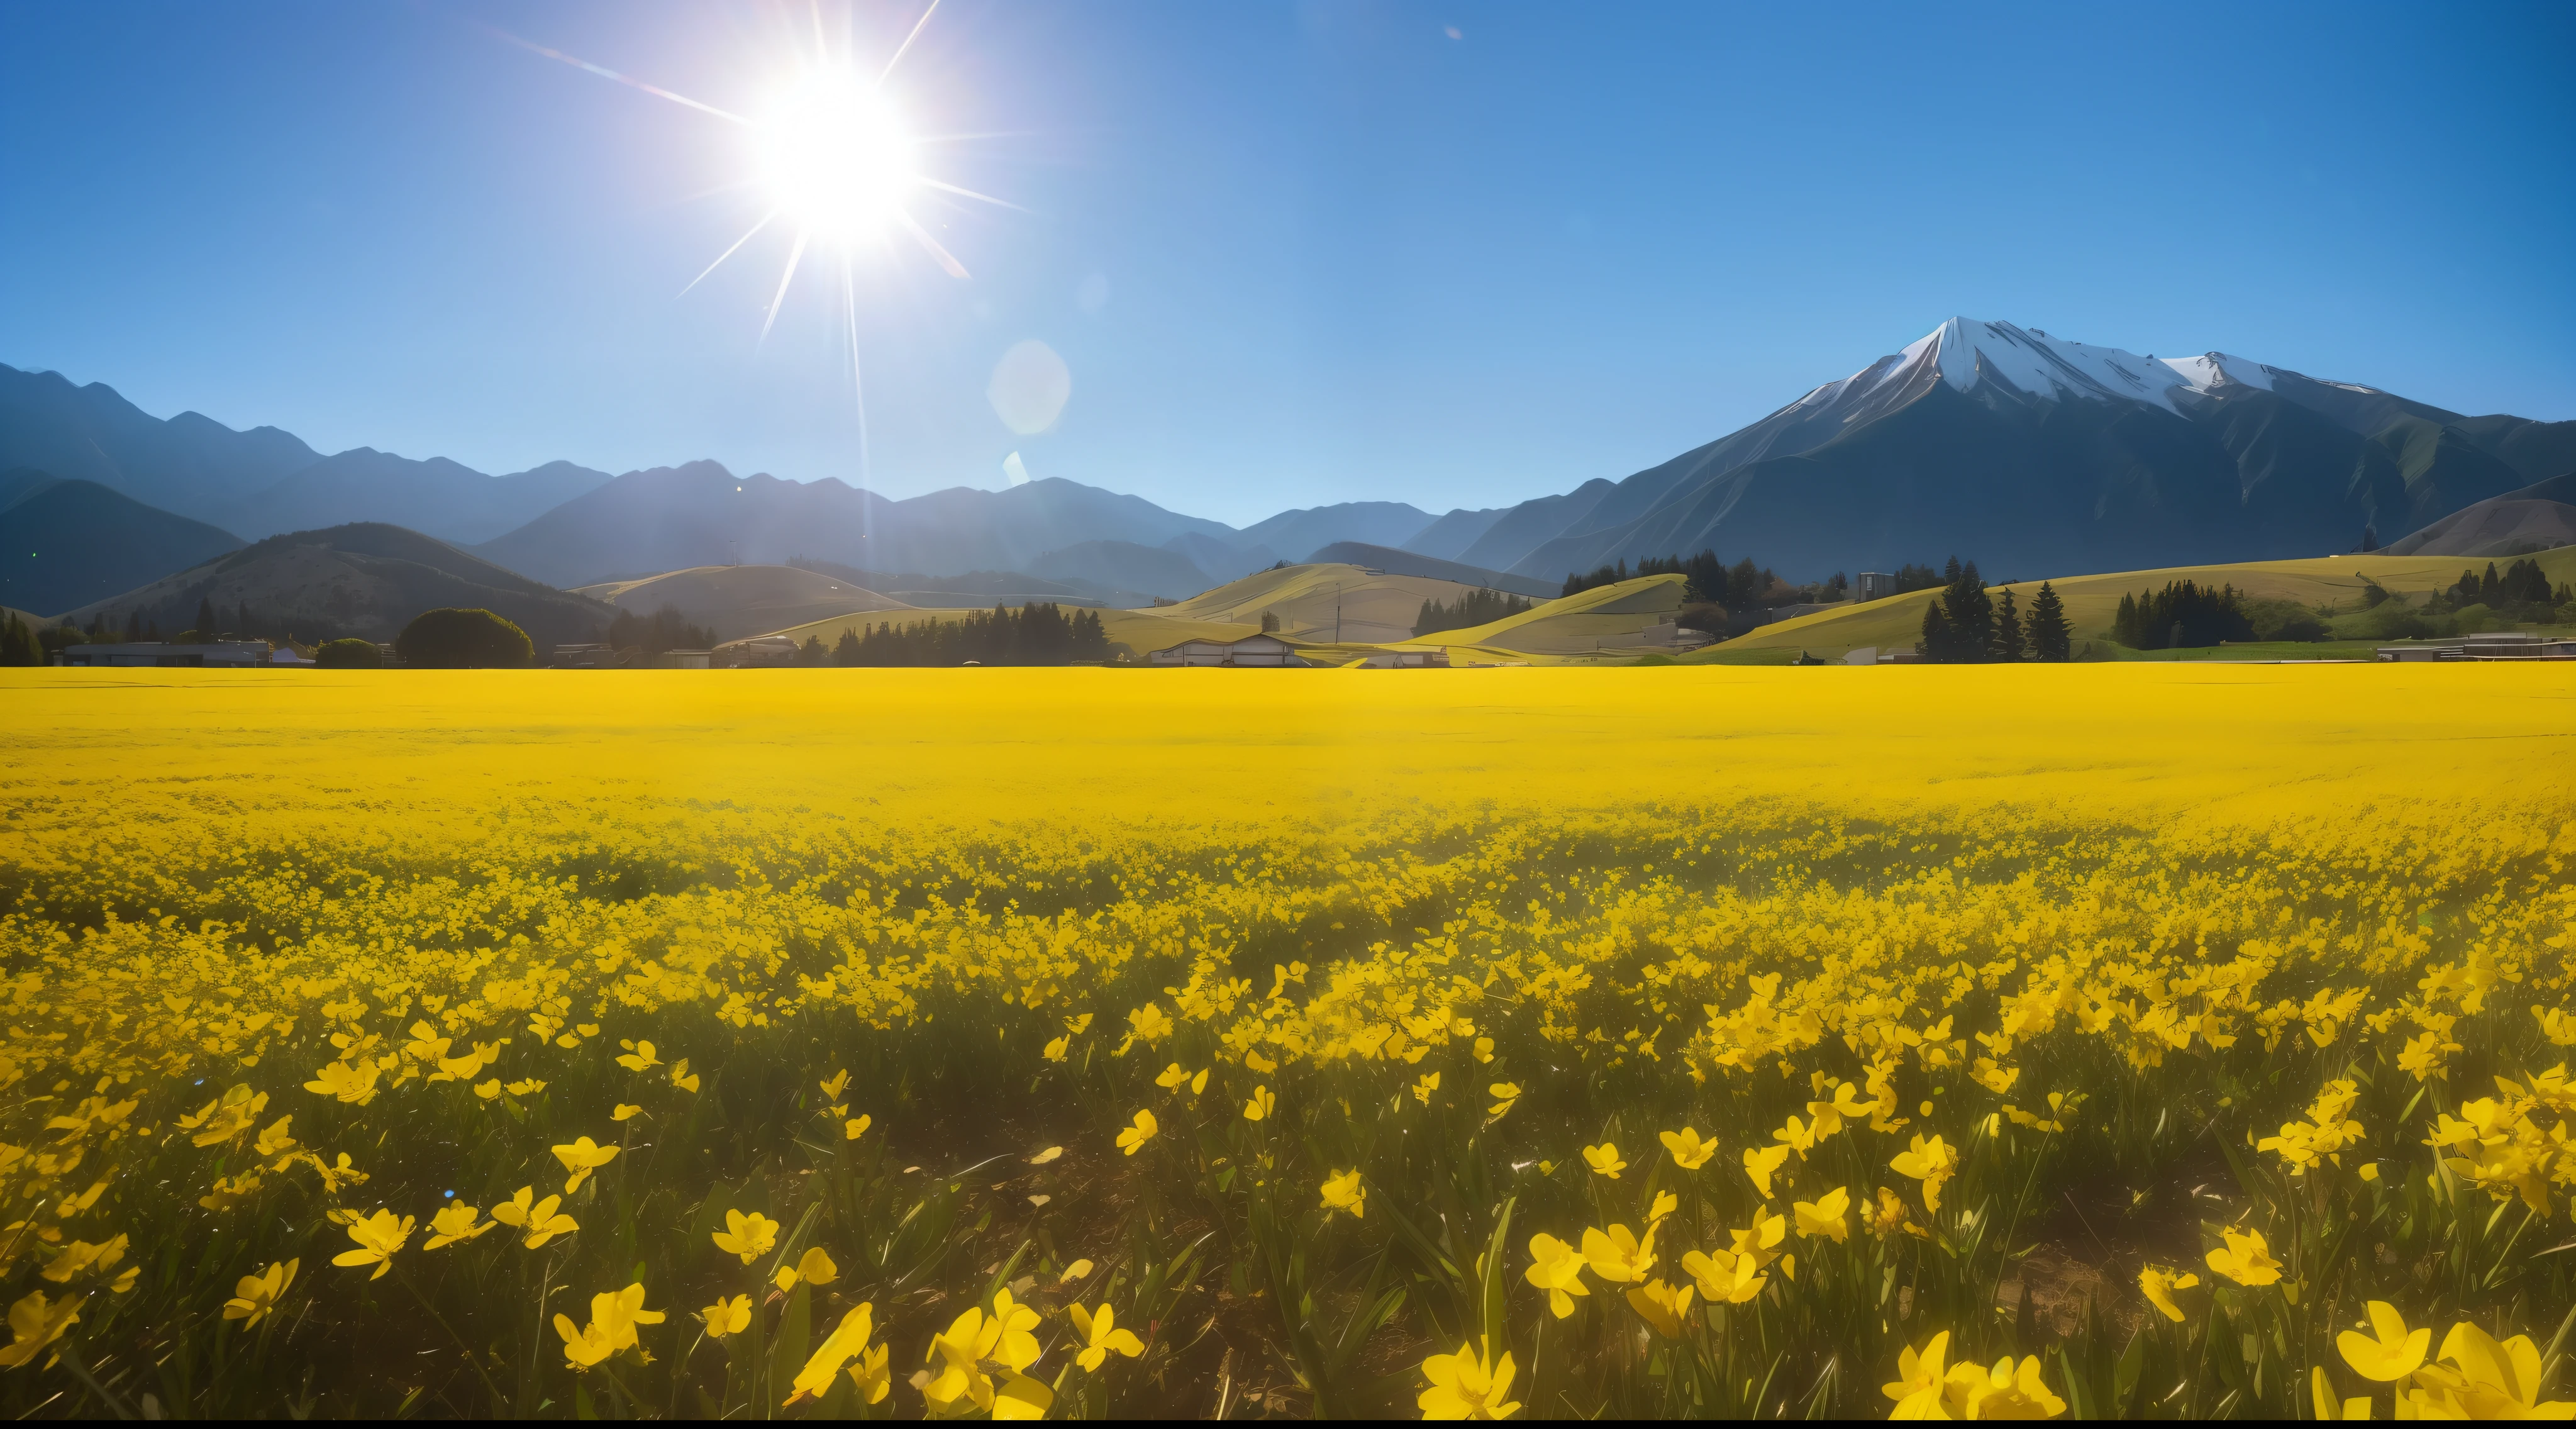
<point>794,256</point>
<point>605,73</point>
<point>946,259</point>
<point>728,253</point>
<point>931,183</point>
<point>906,46</point>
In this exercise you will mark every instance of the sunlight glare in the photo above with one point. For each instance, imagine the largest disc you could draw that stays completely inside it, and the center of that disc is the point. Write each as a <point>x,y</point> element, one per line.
<point>835,156</point>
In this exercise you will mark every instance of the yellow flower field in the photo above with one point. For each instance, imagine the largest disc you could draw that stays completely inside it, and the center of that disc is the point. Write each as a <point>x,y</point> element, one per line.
<point>2172,1041</point>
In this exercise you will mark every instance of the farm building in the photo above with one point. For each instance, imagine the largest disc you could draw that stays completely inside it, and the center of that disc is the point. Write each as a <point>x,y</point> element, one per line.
<point>1252,650</point>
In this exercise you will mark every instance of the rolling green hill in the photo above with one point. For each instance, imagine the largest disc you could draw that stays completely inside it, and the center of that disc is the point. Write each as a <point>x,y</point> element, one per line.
<point>735,601</point>
<point>1897,621</point>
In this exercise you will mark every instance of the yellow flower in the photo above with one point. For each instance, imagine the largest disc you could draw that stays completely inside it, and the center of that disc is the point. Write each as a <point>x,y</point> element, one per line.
<point>2390,1352</point>
<point>1557,1268</point>
<point>834,1085</point>
<point>1604,1160</point>
<point>2328,1406</point>
<point>378,1237</point>
<point>254,1296</point>
<point>82,1258</point>
<point>1918,1383</point>
<point>355,1085</point>
<point>583,1157</point>
<point>34,1323</point>
<point>585,1345</point>
<point>856,1126</point>
<point>1261,1105</point>
<point>624,1111</point>
<point>1055,1049</point>
<point>616,1313</point>
<point>1724,1277</point>
<point>682,1077</point>
<point>1425,1086</point>
<point>1172,1076</point>
<point>1137,1135</point>
<point>1662,1306</point>
<point>1074,1272</point>
<point>1100,1336</point>
<point>1690,1151</point>
<point>1931,1161</point>
<point>1504,1094</point>
<point>2004,1392</point>
<point>526,1087</point>
<point>538,1218</point>
<point>455,1223</point>
<point>488,1090</point>
<point>812,1268</point>
<point>2477,1378</point>
<point>1762,1164</point>
<point>2158,1284</point>
<point>848,1340</point>
<point>727,1317</point>
<point>1467,1385</point>
<point>2245,1259</point>
<point>275,1141</point>
<point>1824,1216</point>
<point>1618,1254</point>
<point>641,1058</point>
<point>749,1236</point>
<point>1343,1192</point>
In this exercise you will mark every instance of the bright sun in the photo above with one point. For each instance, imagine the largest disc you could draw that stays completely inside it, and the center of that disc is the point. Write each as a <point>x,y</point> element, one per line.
<point>835,157</point>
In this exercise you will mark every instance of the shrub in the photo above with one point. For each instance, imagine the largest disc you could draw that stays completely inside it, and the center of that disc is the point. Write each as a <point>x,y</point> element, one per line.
<point>350,654</point>
<point>453,639</point>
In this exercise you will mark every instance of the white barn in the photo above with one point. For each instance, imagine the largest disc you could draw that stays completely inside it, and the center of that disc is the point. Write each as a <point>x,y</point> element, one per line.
<point>1251,651</point>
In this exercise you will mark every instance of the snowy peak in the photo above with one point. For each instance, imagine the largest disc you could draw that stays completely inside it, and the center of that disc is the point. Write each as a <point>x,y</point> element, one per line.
<point>1966,351</point>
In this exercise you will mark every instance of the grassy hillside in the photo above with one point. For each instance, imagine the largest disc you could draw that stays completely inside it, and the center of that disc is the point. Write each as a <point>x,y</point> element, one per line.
<point>1375,609</point>
<point>1604,619</point>
<point>2091,601</point>
<point>365,579</point>
<point>735,601</point>
<point>1133,632</point>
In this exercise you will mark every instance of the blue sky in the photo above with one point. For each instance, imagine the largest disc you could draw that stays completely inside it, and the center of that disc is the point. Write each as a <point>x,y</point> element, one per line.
<point>1331,251</point>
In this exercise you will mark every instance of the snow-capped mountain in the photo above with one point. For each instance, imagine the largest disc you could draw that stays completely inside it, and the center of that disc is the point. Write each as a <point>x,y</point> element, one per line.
<point>2035,454</point>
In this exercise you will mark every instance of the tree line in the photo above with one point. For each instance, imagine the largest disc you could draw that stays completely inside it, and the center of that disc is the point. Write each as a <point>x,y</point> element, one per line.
<point>2185,615</point>
<point>1475,607</point>
<point>1035,634</point>
<point>2522,590</point>
<point>1965,625</point>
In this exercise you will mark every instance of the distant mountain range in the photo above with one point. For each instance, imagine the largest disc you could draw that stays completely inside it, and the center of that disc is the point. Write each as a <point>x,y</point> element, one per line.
<point>2032,453</point>
<point>2027,452</point>
<point>263,481</point>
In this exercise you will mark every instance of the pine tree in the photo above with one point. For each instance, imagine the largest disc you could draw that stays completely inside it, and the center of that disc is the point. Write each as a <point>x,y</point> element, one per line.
<point>845,651</point>
<point>2050,637</point>
<point>1935,644</point>
<point>1968,615</point>
<point>2124,625</point>
<point>205,618</point>
<point>2007,643</point>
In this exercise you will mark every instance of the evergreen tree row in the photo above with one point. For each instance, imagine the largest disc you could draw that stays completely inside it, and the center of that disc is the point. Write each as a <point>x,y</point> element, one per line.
<point>664,630</point>
<point>18,644</point>
<point>2522,583</point>
<point>1965,625</point>
<point>1475,607</point>
<point>2184,615</point>
<point>1034,634</point>
<point>1743,586</point>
